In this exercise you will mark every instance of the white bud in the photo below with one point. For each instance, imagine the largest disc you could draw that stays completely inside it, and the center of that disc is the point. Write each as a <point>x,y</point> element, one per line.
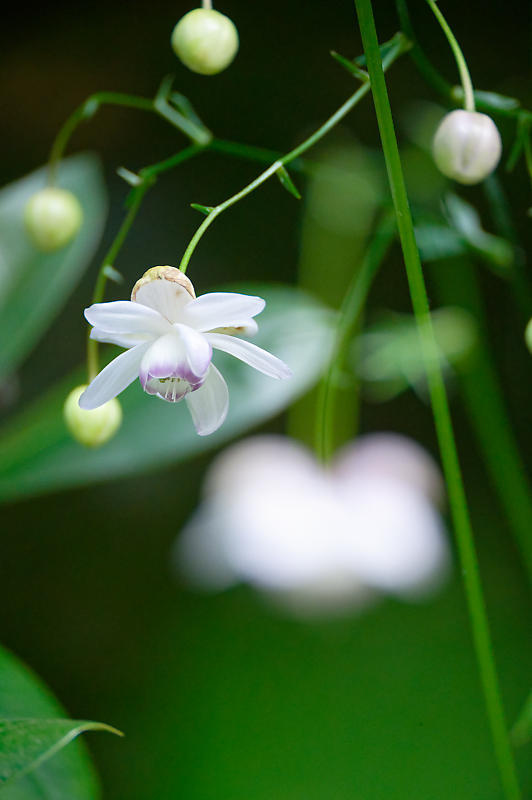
<point>205,41</point>
<point>95,427</point>
<point>467,146</point>
<point>52,217</point>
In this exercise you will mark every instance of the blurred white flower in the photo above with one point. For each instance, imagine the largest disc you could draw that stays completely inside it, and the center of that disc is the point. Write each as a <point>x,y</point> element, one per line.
<point>170,335</point>
<point>318,540</point>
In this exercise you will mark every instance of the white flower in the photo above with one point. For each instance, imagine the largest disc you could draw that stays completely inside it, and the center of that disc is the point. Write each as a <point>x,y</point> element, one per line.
<point>467,146</point>
<point>319,540</point>
<point>170,335</point>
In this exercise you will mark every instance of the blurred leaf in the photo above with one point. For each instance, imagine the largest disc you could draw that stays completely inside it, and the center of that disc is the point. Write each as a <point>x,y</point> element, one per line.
<point>493,100</point>
<point>437,242</point>
<point>39,456</point>
<point>25,744</point>
<point>35,285</point>
<point>70,773</point>
<point>522,730</point>
<point>495,251</point>
<point>389,356</point>
<point>113,274</point>
<point>128,176</point>
<point>287,182</point>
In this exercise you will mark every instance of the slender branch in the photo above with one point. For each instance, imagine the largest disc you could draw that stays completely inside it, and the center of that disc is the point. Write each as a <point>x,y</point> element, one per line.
<point>440,407</point>
<point>348,319</point>
<point>400,47</point>
<point>465,77</point>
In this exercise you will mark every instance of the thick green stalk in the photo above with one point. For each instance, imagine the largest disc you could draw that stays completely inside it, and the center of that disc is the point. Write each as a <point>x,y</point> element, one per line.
<point>348,319</point>
<point>401,46</point>
<point>440,407</point>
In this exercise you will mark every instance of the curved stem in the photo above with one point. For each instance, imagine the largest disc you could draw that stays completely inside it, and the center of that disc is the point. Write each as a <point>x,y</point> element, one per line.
<point>465,77</point>
<point>440,408</point>
<point>348,319</point>
<point>400,47</point>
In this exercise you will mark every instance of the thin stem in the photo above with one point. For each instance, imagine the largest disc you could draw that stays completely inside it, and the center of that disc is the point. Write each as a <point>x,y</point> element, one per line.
<point>206,4</point>
<point>440,408</point>
<point>148,176</point>
<point>195,131</point>
<point>348,319</point>
<point>465,77</point>
<point>401,46</point>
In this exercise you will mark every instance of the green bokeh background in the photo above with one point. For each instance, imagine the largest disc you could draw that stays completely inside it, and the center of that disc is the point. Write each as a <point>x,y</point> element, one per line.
<point>221,697</point>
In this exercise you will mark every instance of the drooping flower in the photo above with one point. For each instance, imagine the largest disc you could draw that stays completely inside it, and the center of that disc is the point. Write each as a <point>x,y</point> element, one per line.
<point>318,540</point>
<point>170,335</point>
<point>467,146</point>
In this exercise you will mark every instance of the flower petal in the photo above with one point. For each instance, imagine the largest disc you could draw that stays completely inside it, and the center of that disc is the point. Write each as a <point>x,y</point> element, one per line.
<point>168,298</point>
<point>123,316</point>
<point>121,339</point>
<point>247,327</point>
<point>221,309</point>
<point>198,350</point>
<point>163,358</point>
<point>209,404</point>
<point>114,378</point>
<point>255,356</point>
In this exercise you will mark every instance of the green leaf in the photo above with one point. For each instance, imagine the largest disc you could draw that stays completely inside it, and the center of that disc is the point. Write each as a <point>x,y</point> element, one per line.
<point>202,209</point>
<point>388,355</point>
<point>495,251</point>
<point>492,100</point>
<point>25,744</point>
<point>38,455</point>
<point>70,773</point>
<point>437,242</point>
<point>34,285</point>
<point>287,182</point>
<point>350,66</point>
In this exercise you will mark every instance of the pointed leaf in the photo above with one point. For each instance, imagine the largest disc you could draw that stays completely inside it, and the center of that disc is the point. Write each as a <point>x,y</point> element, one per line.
<point>35,285</point>
<point>287,182</point>
<point>202,209</point>
<point>25,744</point>
<point>350,66</point>
<point>38,455</point>
<point>70,773</point>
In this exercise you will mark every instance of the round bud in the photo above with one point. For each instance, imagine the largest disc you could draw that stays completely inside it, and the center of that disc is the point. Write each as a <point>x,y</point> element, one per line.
<point>52,218</point>
<point>95,427</point>
<point>205,41</point>
<point>467,146</point>
<point>528,335</point>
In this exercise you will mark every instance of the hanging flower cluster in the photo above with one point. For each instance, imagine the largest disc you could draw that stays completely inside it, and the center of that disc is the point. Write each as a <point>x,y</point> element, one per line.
<point>169,336</point>
<point>315,539</point>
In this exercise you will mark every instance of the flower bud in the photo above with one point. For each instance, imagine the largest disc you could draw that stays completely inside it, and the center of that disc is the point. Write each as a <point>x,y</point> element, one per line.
<point>95,427</point>
<point>52,218</point>
<point>528,335</point>
<point>467,146</point>
<point>205,41</point>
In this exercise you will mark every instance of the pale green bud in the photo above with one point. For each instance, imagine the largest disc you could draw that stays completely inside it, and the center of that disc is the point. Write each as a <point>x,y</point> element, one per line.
<point>52,217</point>
<point>205,41</point>
<point>95,427</point>
<point>467,146</point>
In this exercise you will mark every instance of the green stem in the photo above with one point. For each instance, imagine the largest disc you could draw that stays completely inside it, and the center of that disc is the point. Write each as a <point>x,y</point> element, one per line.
<point>148,175</point>
<point>440,407</point>
<point>348,319</point>
<point>196,132</point>
<point>345,108</point>
<point>457,283</point>
<point>465,77</point>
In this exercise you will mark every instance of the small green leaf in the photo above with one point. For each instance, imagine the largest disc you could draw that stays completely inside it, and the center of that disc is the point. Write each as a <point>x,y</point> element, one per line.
<point>35,285</point>
<point>495,251</point>
<point>398,42</point>
<point>287,182</point>
<point>90,107</point>
<point>38,455</point>
<point>351,67</point>
<point>436,242</point>
<point>113,274</point>
<point>202,209</point>
<point>129,177</point>
<point>25,744</point>
<point>493,100</point>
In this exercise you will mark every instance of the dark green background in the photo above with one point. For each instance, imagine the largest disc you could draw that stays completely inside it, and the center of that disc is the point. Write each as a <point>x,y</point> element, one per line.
<point>220,697</point>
